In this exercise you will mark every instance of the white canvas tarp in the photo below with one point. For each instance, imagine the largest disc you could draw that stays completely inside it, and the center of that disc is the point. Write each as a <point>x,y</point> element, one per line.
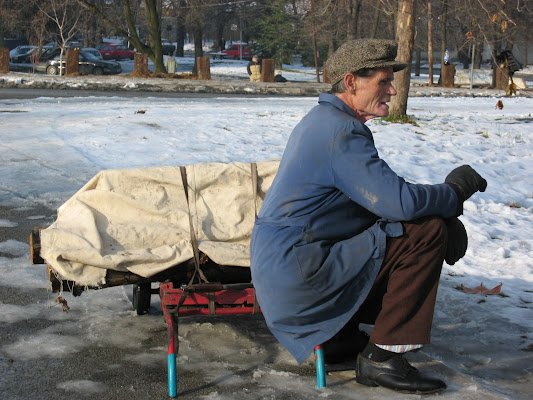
<point>137,220</point>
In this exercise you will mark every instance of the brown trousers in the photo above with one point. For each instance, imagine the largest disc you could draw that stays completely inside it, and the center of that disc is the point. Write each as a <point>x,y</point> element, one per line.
<point>401,302</point>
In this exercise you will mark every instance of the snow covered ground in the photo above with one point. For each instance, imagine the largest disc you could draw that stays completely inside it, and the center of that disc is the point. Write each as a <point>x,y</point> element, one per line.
<point>52,146</point>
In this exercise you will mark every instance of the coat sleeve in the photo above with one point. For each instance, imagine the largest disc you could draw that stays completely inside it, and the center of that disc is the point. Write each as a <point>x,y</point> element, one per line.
<point>369,181</point>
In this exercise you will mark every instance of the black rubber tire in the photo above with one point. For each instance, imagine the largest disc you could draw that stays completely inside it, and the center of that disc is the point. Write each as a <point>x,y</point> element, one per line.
<point>51,70</point>
<point>142,294</point>
<point>98,71</point>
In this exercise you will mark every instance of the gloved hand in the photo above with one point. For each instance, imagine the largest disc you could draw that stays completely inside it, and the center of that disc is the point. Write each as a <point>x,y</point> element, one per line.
<point>465,182</point>
<point>457,240</point>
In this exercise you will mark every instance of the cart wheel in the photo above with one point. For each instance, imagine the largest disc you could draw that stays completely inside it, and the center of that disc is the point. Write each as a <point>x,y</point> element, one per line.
<point>141,297</point>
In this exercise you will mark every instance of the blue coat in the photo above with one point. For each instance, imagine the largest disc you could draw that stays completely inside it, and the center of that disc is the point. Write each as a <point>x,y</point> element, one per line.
<point>320,237</point>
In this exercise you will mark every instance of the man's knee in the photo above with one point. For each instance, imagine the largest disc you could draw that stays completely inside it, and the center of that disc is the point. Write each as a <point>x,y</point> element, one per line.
<point>428,229</point>
<point>438,226</point>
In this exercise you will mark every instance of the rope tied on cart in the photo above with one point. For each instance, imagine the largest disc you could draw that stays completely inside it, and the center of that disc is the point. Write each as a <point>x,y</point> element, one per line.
<point>194,242</point>
<point>206,286</point>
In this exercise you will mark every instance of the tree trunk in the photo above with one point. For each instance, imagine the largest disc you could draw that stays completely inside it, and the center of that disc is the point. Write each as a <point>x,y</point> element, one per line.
<point>204,68</point>
<point>154,28</point>
<point>478,54</point>
<point>417,62</point>
<point>353,7</point>
<point>430,44</point>
<point>197,37</point>
<point>375,22</point>
<point>180,40</point>
<point>444,41</point>
<point>405,32</point>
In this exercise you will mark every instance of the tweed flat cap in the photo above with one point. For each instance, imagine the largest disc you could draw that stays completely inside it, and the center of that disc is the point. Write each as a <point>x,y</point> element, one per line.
<point>355,55</point>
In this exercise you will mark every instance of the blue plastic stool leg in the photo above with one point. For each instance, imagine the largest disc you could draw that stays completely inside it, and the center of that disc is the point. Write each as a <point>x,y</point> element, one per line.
<point>320,369</point>
<point>171,355</point>
<point>172,375</point>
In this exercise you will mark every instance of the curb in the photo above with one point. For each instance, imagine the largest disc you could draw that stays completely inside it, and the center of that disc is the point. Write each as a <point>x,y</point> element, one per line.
<point>125,83</point>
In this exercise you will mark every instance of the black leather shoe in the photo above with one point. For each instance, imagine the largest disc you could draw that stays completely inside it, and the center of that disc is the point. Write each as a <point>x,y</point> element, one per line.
<point>396,374</point>
<point>344,348</point>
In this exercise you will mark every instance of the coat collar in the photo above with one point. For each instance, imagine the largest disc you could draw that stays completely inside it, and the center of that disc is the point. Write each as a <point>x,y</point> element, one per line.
<point>335,102</point>
<point>328,98</point>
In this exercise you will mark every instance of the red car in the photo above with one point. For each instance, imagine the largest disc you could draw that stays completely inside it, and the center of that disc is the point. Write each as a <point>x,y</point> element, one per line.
<point>116,52</point>
<point>234,51</point>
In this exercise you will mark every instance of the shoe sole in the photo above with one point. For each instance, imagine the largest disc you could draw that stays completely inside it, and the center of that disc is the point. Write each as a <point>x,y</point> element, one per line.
<point>371,383</point>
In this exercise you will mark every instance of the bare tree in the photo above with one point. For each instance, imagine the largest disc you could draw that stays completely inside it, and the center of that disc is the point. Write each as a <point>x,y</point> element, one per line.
<point>65,14</point>
<point>129,31</point>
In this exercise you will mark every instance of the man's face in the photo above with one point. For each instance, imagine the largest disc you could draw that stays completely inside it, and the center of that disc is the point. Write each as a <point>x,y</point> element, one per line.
<point>371,95</point>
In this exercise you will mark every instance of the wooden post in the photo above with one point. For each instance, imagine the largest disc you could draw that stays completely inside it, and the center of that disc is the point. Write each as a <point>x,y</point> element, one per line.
<point>4,59</point>
<point>72,62</point>
<point>502,77</point>
<point>267,70</point>
<point>141,65</point>
<point>325,78</point>
<point>204,68</point>
<point>448,75</point>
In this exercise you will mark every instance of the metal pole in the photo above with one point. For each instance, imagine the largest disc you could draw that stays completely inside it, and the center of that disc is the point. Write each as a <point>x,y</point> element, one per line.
<point>240,38</point>
<point>472,65</point>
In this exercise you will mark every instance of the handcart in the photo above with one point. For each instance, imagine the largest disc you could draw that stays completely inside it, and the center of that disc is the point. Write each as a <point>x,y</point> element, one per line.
<point>187,228</point>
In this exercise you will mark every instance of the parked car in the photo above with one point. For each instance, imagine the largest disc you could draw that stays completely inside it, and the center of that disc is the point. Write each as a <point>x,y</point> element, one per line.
<point>93,51</point>
<point>168,48</point>
<point>47,54</point>
<point>22,57</point>
<point>234,51</point>
<point>116,52</point>
<point>19,50</point>
<point>88,64</point>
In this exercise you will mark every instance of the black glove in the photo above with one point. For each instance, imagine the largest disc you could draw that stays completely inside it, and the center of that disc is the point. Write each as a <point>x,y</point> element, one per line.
<point>466,182</point>
<point>457,240</point>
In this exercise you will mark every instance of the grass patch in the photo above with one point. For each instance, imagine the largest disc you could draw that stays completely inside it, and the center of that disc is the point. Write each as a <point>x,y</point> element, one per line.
<point>400,119</point>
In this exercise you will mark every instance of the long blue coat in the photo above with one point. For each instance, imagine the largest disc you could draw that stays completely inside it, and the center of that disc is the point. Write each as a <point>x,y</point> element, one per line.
<point>320,237</point>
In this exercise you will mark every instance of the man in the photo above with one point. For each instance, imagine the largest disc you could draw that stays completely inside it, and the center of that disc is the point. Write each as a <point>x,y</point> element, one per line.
<point>342,240</point>
<point>254,69</point>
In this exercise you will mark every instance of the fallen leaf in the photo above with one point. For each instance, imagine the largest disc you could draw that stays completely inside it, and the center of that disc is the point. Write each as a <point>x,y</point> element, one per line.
<point>482,289</point>
<point>64,304</point>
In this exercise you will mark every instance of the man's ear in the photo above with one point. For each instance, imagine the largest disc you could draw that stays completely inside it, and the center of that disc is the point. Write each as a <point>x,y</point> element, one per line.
<point>350,81</point>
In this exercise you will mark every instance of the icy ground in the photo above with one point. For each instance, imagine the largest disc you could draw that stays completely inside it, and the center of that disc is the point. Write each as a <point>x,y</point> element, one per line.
<point>52,146</point>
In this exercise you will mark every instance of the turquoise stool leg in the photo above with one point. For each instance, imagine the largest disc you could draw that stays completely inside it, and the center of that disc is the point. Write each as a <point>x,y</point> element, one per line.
<point>171,355</point>
<point>320,369</point>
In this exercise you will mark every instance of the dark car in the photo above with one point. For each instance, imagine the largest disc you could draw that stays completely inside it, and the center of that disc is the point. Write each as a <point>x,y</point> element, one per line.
<point>168,48</point>
<point>116,52</point>
<point>88,64</point>
<point>23,57</point>
<point>46,55</point>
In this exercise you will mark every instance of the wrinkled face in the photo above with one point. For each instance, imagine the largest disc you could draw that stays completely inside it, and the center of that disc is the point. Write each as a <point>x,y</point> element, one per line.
<point>368,96</point>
